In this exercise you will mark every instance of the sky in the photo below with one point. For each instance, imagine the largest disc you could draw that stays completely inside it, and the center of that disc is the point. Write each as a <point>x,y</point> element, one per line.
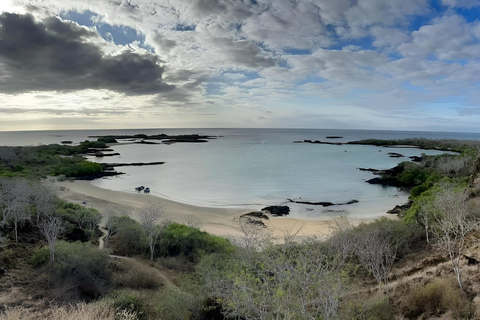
<point>332,64</point>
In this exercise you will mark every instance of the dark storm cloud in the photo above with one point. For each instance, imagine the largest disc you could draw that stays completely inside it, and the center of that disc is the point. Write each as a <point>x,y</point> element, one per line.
<point>55,55</point>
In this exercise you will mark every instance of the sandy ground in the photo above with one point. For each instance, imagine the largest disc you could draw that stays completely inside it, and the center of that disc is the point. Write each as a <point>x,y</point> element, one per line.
<point>219,221</point>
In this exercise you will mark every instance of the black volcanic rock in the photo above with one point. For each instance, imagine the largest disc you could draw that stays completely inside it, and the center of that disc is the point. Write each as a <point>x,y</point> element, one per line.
<point>277,211</point>
<point>255,214</point>
<point>324,203</point>
<point>395,155</point>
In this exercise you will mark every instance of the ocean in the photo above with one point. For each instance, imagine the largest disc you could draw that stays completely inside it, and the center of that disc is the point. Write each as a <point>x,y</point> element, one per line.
<point>254,168</point>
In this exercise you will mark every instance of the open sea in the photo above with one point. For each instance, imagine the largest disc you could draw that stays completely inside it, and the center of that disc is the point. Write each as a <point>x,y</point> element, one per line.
<point>253,168</point>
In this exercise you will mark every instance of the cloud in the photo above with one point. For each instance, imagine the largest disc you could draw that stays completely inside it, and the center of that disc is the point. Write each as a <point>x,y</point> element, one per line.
<point>56,55</point>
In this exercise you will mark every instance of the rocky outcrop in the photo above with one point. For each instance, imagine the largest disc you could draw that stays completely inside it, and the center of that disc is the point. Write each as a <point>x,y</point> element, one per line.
<point>277,211</point>
<point>135,164</point>
<point>395,155</point>
<point>323,142</point>
<point>255,214</point>
<point>324,204</point>
<point>166,139</point>
<point>400,210</point>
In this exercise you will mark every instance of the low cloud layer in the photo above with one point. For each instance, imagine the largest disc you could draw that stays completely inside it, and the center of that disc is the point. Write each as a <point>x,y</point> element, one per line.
<point>56,55</point>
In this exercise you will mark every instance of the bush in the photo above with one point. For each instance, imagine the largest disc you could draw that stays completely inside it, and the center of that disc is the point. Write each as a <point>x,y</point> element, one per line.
<point>135,276</point>
<point>178,239</point>
<point>93,144</point>
<point>406,236</point>
<point>83,265</point>
<point>435,298</point>
<point>128,238</point>
<point>8,258</point>
<point>127,301</point>
<point>39,257</point>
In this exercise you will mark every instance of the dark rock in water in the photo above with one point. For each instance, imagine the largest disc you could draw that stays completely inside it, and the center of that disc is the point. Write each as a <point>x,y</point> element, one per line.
<point>323,203</point>
<point>375,181</point>
<point>277,211</point>
<point>99,175</point>
<point>400,209</point>
<point>416,158</point>
<point>135,164</point>
<point>334,137</point>
<point>255,214</point>
<point>395,155</point>
<point>147,142</point>
<point>101,154</point>
<point>323,142</point>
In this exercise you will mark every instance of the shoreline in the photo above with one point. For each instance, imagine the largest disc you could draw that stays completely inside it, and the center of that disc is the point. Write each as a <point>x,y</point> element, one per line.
<point>223,222</point>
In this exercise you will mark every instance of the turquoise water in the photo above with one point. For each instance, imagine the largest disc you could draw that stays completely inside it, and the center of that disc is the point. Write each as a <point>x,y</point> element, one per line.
<point>254,168</point>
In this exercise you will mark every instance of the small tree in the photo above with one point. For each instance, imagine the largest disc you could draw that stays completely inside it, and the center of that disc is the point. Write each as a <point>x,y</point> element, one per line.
<point>51,227</point>
<point>149,217</point>
<point>376,250</point>
<point>452,222</point>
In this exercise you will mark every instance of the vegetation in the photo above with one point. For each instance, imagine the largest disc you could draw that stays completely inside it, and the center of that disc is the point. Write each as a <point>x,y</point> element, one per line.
<point>45,160</point>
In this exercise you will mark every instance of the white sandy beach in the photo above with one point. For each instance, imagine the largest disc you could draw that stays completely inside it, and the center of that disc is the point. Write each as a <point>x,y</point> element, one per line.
<point>219,221</point>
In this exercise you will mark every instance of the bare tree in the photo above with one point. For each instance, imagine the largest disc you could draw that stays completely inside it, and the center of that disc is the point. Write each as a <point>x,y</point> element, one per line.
<point>425,216</point>
<point>341,239</point>
<point>44,200</point>
<point>253,236</point>
<point>376,251</point>
<point>51,227</point>
<point>149,217</point>
<point>452,222</point>
<point>14,201</point>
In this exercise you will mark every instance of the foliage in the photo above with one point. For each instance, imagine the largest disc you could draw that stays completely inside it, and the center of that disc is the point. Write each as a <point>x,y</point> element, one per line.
<point>128,238</point>
<point>81,222</point>
<point>128,301</point>
<point>107,139</point>
<point>466,146</point>
<point>293,281</point>
<point>77,167</point>
<point>436,298</point>
<point>178,239</point>
<point>83,265</point>
<point>185,302</point>
<point>134,275</point>
<point>40,161</point>
<point>39,257</point>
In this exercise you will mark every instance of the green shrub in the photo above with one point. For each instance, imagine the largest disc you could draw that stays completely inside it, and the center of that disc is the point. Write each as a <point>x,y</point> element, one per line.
<point>178,239</point>
<point>83,265</point>
<point>128,238</point>
<point>39,257</point>
<point>8,258</point>
<point>93,144</point>
<point>404,235</point>
<point>127,301</point>
<point>107,139</point>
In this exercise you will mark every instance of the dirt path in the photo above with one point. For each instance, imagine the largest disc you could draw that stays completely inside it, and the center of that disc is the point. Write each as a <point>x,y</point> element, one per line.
<point>139,264</point>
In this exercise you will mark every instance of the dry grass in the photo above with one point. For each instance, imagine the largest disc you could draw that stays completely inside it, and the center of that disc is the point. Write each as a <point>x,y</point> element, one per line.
<point>135,275</point>
<point>81,311</point>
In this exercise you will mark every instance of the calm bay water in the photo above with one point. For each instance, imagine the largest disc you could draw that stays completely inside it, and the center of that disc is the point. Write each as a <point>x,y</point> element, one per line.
<point>255,167</point>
